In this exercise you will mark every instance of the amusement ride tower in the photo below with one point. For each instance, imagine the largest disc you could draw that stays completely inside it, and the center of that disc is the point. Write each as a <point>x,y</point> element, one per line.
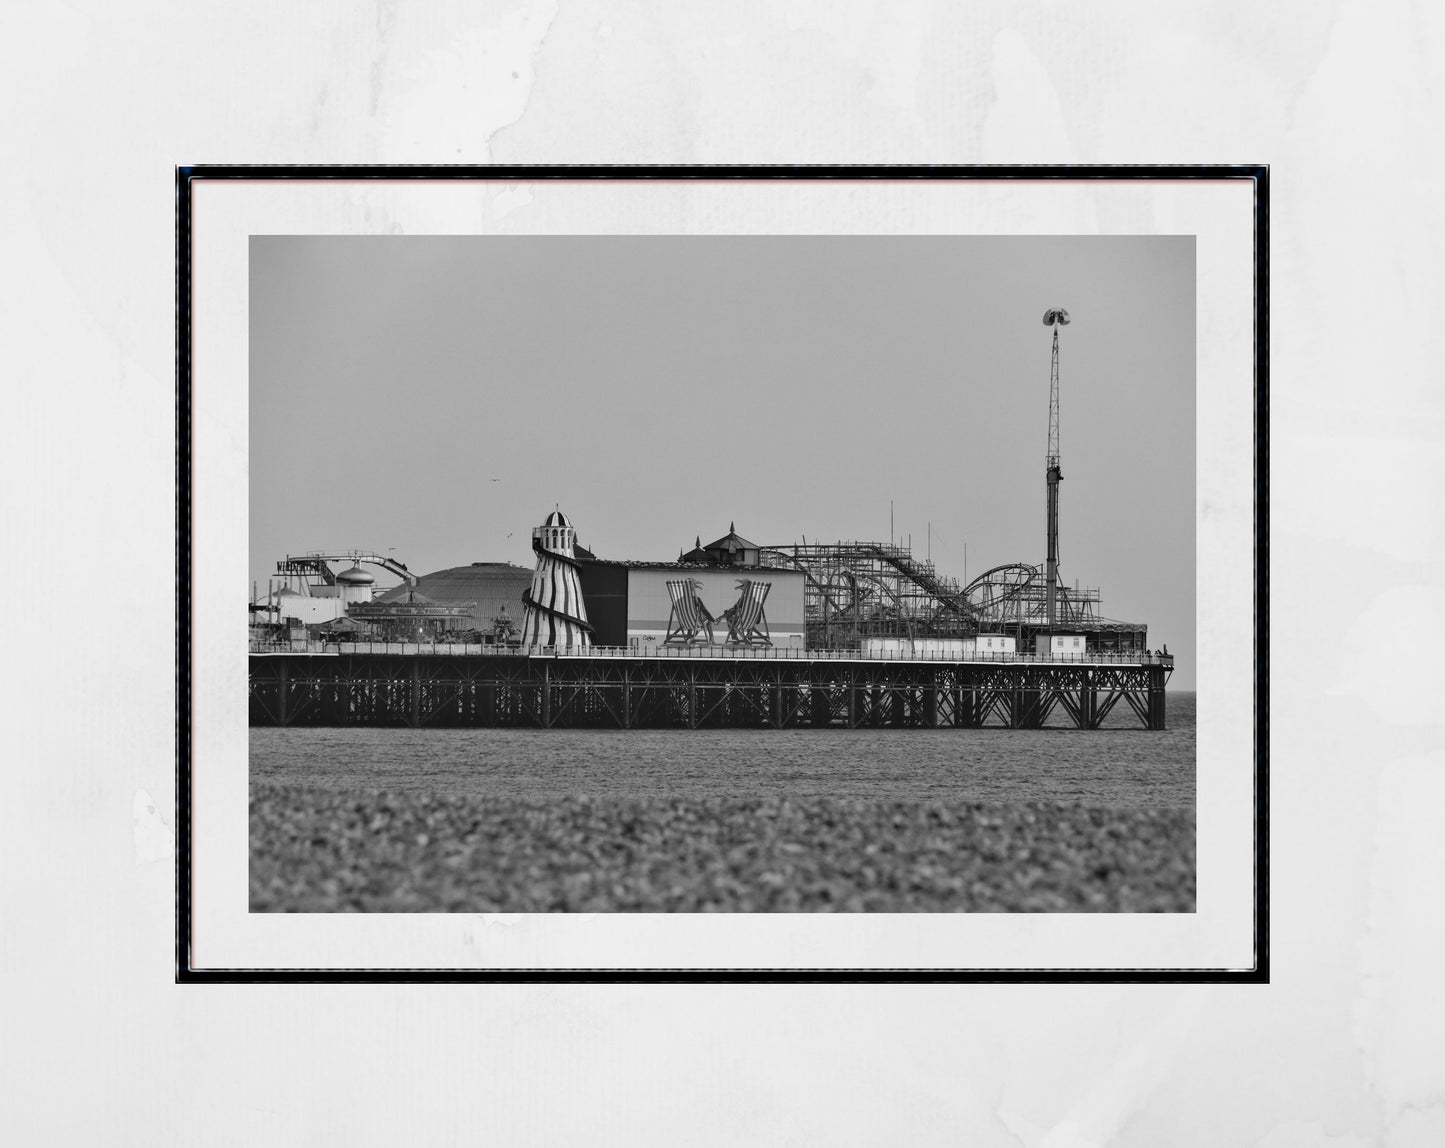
<point>554,613</point>
<point>1055,317</point>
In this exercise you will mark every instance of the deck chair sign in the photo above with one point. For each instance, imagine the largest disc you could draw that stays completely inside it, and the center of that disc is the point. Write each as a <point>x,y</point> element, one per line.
<point>747,624</point>
<point>689,617</point>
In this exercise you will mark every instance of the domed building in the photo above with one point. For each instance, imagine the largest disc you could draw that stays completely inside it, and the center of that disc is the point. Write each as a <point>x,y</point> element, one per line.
<point>472,597</point>
<point>481,602</point>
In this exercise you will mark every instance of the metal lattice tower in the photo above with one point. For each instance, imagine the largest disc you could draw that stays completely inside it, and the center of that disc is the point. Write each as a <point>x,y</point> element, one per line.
<point>1055,317</point>
<point>1051,460</point>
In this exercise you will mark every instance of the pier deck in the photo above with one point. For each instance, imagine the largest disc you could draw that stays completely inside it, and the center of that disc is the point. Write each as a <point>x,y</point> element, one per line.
<point>308,684</point>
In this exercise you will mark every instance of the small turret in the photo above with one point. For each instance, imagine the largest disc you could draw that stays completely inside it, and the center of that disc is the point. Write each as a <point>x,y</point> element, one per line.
<point>355,586</point>
<point>556,534</point>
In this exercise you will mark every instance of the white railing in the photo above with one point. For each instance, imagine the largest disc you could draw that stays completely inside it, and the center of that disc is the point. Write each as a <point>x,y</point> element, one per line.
<point>730,653</point>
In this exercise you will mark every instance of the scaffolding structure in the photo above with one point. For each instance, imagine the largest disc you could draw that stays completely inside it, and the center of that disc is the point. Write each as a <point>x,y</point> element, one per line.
<point>1016,594</point>
<point>854,591</point>
<point>859,590</point>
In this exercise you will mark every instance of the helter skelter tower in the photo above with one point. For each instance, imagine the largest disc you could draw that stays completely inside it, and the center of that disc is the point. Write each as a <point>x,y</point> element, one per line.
<point>553,610</point>
<point>1055,317</point>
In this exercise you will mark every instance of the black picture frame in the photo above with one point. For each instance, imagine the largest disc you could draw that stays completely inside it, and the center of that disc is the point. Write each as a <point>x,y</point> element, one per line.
<point>187,178</point>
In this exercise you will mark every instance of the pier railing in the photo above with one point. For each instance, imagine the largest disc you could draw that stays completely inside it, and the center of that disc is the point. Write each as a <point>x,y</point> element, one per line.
<point>763,653</point>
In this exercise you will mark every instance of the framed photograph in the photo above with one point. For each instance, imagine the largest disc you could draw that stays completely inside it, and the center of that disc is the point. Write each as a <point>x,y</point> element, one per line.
<point>709,574</point>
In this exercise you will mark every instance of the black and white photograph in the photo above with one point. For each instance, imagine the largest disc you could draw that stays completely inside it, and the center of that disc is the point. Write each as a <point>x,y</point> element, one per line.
<point>723,570</point>
<point>741,574</point>
<point>545,547</point>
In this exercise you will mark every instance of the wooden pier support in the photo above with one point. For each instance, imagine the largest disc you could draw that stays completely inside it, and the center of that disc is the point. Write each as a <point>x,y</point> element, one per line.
<point>620,692</point>
<point>818,707</point>
<point>281,694</point>
<point>1156,697</point>
<point>416,693</point>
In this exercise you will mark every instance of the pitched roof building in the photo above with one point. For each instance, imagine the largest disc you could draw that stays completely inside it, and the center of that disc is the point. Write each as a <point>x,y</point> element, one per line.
<point>732,549</point>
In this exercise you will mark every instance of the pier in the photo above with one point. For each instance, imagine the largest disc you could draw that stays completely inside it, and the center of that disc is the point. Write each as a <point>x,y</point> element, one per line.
<point>479,686</point>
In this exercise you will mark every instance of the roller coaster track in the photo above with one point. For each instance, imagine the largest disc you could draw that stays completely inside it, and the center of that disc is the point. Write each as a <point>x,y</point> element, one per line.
<point>849,558</point>
<point>923,577</point>
<point>315,564</point>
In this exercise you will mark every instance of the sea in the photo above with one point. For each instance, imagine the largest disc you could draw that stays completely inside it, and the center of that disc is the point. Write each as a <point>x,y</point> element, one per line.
<point>1118,766</point>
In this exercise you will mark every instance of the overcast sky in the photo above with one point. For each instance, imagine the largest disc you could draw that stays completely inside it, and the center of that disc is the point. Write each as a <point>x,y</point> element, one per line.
<point>439,395</point>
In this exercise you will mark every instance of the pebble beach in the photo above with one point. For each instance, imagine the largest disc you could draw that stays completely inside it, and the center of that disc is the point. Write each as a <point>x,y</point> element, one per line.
<point>329,850</point>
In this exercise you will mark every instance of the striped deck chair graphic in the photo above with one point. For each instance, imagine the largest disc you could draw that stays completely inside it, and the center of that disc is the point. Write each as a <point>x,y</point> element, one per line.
<point>689,617</point>
<point>747,624</point>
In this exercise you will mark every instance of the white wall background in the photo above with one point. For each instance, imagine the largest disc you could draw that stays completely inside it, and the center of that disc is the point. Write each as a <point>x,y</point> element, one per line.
<point>1344,1049</point>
